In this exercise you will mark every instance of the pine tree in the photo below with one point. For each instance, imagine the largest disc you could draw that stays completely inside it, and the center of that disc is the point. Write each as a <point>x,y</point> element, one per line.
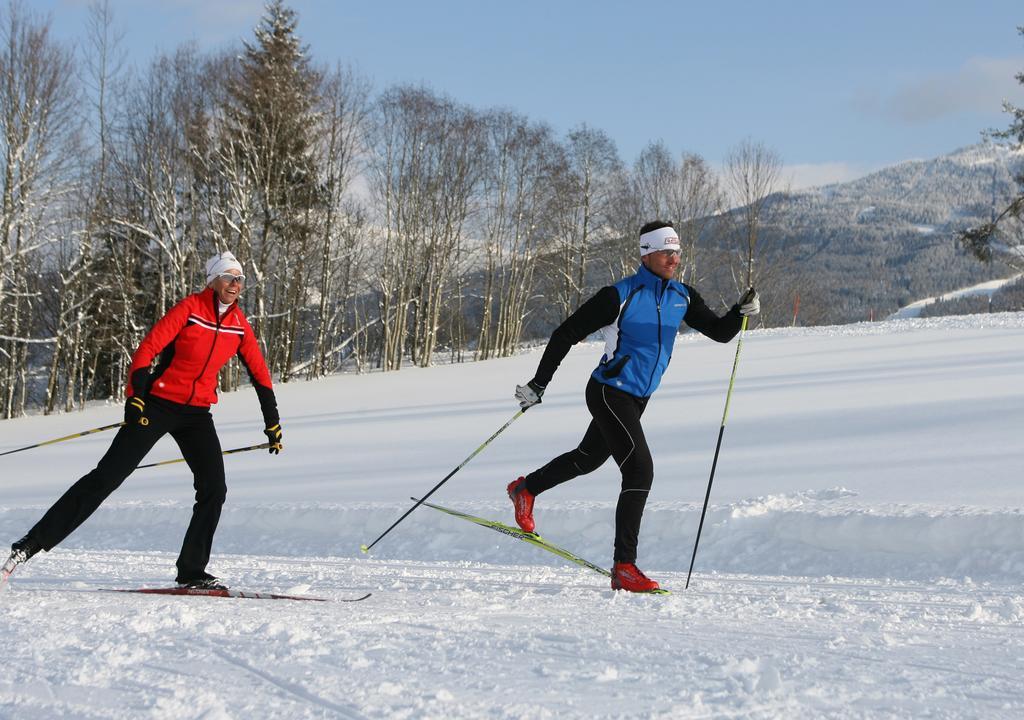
<point>271,120</point>
<point>274,95</point>
<point>1002,238</point>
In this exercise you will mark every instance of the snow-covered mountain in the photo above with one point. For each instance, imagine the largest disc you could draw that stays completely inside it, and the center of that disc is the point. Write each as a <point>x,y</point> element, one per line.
<point>869,246</point>
<point>936,192</point>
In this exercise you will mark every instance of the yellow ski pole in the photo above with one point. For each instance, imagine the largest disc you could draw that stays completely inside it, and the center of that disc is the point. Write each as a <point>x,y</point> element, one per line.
<point>62,439</point>
<point>718,446</point>
<point>262,446</point>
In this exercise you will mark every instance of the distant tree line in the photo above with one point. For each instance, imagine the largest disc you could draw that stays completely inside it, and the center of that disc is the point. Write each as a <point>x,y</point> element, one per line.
<point>376,229</point>
<point>1008,298</point>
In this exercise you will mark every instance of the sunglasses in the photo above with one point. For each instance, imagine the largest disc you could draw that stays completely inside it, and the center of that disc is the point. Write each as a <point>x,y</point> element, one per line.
<point>230,278</point>
<point>666,254</point>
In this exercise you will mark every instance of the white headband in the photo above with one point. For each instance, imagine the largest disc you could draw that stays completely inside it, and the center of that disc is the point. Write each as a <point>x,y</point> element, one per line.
<point>220,264</point>
<point>664,238</point>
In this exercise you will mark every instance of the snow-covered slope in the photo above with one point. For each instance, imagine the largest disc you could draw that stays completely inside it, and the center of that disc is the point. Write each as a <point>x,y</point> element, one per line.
<point>985,289</point>
<point>863,555</point>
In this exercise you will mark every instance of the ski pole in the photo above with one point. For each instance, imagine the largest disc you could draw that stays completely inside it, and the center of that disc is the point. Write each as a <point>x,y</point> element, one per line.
<point>718,446</point>
<point>366,548</point>
<point>262,446</point>
<point>66,437</point>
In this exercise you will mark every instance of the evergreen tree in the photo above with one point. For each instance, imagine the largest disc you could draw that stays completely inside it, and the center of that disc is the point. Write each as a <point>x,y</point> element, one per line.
<point>1002,238</point>
<point>273,98</point>
<point>271,124</point>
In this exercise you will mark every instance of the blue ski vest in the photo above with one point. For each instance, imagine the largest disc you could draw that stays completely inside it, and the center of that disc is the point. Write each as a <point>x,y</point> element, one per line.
<point>638,345</point>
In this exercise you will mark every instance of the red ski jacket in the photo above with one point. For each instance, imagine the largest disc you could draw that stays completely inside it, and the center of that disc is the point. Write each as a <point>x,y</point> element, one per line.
<point>194,343</point>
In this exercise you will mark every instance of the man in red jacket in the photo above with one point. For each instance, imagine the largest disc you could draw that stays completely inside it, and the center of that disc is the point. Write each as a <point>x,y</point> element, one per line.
<point>193,341</point>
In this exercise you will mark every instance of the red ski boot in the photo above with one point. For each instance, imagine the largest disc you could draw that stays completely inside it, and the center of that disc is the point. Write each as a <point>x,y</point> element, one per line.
<point>627,576</point>
<point>522,500</point>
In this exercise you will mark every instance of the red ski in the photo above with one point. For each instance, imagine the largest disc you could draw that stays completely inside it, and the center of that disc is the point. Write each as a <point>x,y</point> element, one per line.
<point>227,593</point>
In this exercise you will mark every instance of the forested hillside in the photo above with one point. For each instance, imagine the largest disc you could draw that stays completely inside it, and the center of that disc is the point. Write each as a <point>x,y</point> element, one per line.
<point>864,248</point>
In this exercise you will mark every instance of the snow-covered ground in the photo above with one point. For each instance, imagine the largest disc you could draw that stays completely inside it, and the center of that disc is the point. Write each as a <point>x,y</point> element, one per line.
<point>863,556</point>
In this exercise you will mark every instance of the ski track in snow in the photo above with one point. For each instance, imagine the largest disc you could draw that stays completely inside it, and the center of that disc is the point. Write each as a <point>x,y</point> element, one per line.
<point>483,641</point>
<point>863,555</point>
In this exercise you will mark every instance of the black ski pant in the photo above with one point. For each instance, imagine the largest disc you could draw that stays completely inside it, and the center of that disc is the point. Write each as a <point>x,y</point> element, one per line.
<point>615,431</point>
<point>192,428</point>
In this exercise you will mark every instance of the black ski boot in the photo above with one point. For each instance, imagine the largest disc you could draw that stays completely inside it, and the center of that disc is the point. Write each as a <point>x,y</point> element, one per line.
<point>206,581</point>
<point>21,551</point>
<point>24,549</point>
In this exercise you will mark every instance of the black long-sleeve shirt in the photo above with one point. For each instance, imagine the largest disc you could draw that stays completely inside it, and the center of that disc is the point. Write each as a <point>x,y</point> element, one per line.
<point>602,309</point>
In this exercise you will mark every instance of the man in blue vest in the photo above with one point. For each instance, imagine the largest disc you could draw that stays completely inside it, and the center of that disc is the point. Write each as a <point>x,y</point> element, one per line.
<point>640,316</point>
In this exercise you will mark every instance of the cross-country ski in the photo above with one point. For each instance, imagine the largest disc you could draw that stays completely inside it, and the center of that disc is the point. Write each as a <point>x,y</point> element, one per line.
<point>227,593</point>
<point>530,537</point>
<point>533,539</point>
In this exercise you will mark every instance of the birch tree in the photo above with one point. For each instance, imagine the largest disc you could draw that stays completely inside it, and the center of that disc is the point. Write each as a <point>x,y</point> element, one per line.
<point>38,135</point>
<point>341,233</point>
<point>517,191</point>
<point>74,276</point>
<point>427,166</point>
<point>685,191</point>
<point>752,175</point>
<point>584,194</point>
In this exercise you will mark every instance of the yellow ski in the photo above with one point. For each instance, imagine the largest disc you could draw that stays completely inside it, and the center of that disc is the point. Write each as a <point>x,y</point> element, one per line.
<point>530,537</point>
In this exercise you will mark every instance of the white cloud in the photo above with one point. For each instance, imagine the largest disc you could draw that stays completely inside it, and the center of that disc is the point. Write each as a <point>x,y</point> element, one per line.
<point>981,84</point>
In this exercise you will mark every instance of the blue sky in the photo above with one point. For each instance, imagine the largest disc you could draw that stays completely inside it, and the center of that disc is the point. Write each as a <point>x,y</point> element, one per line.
<point>836,88</point>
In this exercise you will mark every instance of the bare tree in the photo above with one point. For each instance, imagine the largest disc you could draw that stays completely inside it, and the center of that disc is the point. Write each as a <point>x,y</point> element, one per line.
<point>654,174</point>
<point>685,191</point>
<point>427,166</point>
<point>584,194</point>
<point>696,198</point>
<point>752,175</point>
<point>341,230</point>
<point>38,134</point>
<point>74,277</point>
<point>517,194</point>
<point>148,228</point>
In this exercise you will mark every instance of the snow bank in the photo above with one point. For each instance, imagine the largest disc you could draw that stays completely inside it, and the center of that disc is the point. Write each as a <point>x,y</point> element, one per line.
<point>812,533</point>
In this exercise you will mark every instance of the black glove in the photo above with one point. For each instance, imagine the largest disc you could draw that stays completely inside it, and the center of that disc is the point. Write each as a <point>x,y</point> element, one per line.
<point>274,436</point>
<point>529,394</point>
<point>135,411</point>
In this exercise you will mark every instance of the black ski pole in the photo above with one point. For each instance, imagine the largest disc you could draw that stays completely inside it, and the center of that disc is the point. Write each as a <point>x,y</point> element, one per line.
<point>499,431</point>
<point>718,446</point>
<point>262,446</point>
<point>62,439</point>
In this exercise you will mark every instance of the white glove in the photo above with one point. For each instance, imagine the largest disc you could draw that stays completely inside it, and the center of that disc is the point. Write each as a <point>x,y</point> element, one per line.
<point>750,304</point>
<point>529,394</point>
